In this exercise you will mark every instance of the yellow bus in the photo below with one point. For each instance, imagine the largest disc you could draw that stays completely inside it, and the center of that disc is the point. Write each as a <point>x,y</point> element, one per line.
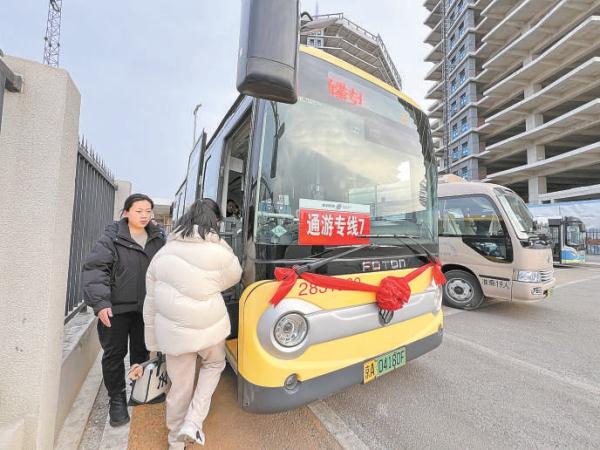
<point>336,232</point>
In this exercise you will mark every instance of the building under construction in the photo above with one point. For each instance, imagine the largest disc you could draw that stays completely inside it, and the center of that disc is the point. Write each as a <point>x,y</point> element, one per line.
<point>517,93</point>
<point>350,42</point>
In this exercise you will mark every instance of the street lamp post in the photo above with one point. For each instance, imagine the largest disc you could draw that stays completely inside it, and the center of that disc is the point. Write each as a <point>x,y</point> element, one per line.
<point>195,120</point>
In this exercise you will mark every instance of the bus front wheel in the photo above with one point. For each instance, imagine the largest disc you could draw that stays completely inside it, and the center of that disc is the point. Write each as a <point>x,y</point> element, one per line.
<point>462,290</point>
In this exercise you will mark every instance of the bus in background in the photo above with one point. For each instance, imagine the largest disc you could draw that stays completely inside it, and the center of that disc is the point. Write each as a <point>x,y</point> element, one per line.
<point>568,236</point>
<point>488,245</point>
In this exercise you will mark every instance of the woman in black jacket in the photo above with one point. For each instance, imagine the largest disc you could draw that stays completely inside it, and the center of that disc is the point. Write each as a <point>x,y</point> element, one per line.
<point>114,285</point>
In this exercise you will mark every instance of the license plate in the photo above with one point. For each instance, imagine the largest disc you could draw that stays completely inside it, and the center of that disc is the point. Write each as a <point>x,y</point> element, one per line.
<point>384,364</point>
<point>550,292</point>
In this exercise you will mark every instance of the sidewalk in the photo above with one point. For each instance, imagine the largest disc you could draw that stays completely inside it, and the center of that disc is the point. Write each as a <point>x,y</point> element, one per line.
<point>229,427</point>
<point>226,427</point>
<point>98,434</point>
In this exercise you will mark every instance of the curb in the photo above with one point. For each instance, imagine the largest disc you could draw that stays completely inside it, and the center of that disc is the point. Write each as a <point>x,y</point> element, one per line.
<point>72,431</point>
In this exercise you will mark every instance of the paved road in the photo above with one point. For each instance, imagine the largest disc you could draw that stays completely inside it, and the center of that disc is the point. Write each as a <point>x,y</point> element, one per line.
<point>509,375</point>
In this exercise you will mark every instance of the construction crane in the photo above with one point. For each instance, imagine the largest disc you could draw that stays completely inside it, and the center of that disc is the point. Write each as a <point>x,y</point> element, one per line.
<point>52,46</point>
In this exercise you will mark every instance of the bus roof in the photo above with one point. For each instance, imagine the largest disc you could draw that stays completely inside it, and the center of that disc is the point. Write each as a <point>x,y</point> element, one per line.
<point>452,185</point>
<point>333,60</point>
<point>241,100</point>
<point>356,71</point>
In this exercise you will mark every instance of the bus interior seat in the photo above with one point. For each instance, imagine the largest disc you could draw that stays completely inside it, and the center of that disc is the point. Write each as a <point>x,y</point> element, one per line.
<point>495,228</point>
<point>469,226</point>
<point>450,225</point>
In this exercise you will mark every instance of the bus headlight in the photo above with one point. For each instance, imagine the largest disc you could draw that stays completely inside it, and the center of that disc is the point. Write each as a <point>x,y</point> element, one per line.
<point>291,329</point>
<point>528,276</point>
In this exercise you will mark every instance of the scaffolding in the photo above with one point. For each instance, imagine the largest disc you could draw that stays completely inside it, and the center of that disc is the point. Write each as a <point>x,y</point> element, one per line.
<point>52,39</point>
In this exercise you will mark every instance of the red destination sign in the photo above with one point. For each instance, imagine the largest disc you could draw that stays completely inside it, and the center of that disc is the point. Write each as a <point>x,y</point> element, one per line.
<point>340,90</point>
<point>323,227</point>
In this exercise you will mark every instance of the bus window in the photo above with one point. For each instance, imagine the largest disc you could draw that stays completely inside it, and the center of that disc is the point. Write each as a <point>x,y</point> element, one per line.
<point>574,235</point>
<point>193,178</point>
<point>556,244</point>
<point>210,186</point>
<point>517,212</point>
<point>477,222</point>
<point>450,223</point>
<point>234,162</point>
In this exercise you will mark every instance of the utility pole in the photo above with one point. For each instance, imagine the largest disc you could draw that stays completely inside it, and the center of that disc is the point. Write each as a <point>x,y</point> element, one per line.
<point>52,46</point>
<point>198,106</point>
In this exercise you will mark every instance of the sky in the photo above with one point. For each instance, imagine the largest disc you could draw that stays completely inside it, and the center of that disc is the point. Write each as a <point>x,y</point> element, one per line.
<point>142,66</point>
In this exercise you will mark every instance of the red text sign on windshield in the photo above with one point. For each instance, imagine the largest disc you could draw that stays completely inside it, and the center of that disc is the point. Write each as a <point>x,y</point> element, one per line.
<point>340,90</point>
<point>322,227</point>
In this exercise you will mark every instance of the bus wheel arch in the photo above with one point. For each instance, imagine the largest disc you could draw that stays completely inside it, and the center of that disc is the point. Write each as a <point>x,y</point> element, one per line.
<point>462,289</point>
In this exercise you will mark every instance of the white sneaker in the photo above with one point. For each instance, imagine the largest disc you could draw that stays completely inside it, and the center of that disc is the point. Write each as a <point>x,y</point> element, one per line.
<point>190,434</point>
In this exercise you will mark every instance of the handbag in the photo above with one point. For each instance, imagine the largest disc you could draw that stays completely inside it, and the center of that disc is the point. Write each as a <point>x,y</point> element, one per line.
<point>154,383</point>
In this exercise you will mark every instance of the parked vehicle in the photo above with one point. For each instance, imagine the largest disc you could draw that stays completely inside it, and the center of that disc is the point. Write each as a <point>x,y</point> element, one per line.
<point>568,236</point>
<point>343,178</point>
<point>488,245</point>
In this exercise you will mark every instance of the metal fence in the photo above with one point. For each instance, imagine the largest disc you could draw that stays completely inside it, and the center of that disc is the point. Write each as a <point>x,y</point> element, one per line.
<point>93,208</point>
<point>592,246</point>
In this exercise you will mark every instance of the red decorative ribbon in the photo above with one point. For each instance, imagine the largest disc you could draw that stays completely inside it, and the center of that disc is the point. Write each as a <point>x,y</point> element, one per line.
<point>391,294</point>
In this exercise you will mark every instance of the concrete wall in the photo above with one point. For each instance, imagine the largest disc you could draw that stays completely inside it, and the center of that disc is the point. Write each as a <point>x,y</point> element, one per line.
<point>123,191</point>
<point>79,352</point>
<point>11,435</point>
<point>38,154</point>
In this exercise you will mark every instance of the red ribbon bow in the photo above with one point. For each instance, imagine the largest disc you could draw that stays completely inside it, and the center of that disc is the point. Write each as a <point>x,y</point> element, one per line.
<point>391,294</point>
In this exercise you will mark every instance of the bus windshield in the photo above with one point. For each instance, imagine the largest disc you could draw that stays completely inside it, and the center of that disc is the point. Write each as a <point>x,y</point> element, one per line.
<point>350,158</point>
<point>575,236</point>
<point>517,212</point>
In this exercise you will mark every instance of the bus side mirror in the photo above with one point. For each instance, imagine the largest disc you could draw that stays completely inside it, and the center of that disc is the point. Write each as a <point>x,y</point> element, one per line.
<point>268,53</point>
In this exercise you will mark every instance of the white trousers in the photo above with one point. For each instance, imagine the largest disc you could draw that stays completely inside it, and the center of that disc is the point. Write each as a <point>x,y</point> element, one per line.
<point>184,404</point>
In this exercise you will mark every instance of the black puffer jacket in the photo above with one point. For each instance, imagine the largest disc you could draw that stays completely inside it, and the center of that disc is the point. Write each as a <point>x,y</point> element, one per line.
<point>114,273</point>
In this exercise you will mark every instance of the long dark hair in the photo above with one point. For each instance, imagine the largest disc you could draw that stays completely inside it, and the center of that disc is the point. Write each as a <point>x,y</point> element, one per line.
<point>204,213</point>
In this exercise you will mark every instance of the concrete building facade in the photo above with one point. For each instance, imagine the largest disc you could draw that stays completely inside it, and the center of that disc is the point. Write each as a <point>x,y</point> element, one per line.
<point>517,94</point>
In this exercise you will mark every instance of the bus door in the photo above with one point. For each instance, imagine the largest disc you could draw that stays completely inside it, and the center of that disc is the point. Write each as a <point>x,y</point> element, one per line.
<point>556,236</point>
<point>231,200</point>
<point>233,169</point>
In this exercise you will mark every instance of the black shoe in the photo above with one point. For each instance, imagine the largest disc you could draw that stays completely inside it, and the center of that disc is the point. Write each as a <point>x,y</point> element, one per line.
<point>117,410</point>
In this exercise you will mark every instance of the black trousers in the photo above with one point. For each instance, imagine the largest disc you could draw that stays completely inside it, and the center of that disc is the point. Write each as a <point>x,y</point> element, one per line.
<point>113,339</point>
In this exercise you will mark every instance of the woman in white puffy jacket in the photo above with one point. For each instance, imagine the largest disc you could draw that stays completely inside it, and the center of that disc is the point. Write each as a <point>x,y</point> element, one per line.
<point>185,315</point>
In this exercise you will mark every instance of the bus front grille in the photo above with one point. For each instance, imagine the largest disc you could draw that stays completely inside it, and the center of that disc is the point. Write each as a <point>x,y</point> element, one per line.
<point>547,275</point>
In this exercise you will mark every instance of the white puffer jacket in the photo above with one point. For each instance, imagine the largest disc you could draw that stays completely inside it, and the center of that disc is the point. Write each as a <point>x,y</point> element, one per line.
<point>184,311</point>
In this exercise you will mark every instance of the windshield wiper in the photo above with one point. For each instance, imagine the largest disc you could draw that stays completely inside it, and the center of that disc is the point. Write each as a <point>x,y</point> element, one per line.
<point>330,249</point>
<point>404,238</point>
<point>309,267</point>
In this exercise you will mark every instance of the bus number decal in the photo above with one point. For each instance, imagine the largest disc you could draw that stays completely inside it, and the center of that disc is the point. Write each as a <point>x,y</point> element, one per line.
<point>312,289</point>
<point>502,284</point>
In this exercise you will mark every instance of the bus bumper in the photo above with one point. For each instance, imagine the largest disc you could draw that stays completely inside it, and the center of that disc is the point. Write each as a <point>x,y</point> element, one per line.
<point>531,291</point>
<point>260,399</point>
